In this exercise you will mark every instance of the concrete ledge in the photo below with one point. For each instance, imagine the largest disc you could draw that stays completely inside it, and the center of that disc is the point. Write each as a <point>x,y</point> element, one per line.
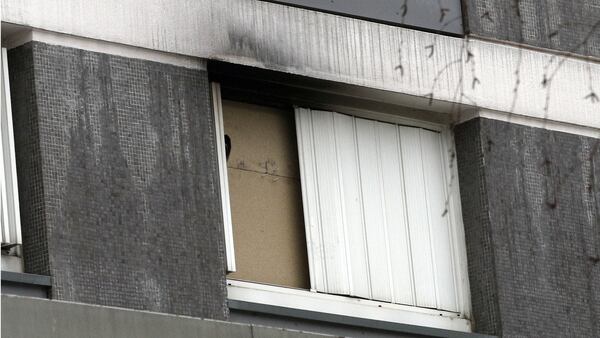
<point>33,317</point>
<point>401,329</point>
<point>439,69</point>
<point>25,278</point>
<point>25,284</point>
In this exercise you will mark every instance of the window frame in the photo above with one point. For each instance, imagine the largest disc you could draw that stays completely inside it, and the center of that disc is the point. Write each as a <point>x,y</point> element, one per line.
<point>310,300</point>
<point>223,179</point>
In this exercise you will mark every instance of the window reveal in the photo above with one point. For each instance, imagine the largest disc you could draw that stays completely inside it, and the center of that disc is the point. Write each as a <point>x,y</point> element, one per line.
<point>344,205</point>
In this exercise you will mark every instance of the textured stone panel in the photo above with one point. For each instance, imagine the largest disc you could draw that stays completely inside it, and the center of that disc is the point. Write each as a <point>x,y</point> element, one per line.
<point>128,181</point>
<point>539,194</point>
<point>566,25</point>
<point>473,191</point>
<point>29,158</point>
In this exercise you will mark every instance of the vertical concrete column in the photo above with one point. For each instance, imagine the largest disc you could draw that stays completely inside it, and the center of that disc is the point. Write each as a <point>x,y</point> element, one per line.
<point>118,171</point>
<point>531,208</point>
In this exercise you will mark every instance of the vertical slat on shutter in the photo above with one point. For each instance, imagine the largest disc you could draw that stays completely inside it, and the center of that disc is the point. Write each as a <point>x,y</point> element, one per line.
<point>3,192</point>
<point>3,195</point>
<point>316,257</point>
<point>375,226</point>
<point>330,203</point>
<point>352,199</point>
<point>416,203</point>
<point>438,218</point>
<point>397,227</point>
<point>10,192</point>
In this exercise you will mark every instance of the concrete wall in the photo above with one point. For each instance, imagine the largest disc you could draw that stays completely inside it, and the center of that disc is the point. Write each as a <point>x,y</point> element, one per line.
<point>565,25</point>
<point>28,156</point>
<point>421,65</point>
<point>28,317</point>
<point>337,329</point>
<point>531,208</point>
<point>119,184</point>
<point>24,284</point>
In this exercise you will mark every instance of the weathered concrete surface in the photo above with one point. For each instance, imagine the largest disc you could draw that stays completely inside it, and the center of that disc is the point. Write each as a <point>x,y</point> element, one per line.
<point>330,47</point>
<point>531,210</point>
<point>24,317</point>
<point>117,166</point>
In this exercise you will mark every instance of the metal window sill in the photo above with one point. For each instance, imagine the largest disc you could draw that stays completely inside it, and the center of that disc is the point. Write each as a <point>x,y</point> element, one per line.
<point>304,304</point>
<point>25,278</point>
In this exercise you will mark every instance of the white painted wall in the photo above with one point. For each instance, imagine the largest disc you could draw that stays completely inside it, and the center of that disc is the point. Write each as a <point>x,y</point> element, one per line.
<point>331,47</point>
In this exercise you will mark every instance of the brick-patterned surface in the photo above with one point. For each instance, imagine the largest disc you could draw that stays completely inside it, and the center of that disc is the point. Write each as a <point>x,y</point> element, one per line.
<point>127,177</point>
<point>566,25</point>
<point>539,197</point>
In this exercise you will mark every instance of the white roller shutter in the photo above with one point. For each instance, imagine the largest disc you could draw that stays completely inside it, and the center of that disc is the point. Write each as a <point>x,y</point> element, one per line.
<point>9,192</point>
<point>375,210</point>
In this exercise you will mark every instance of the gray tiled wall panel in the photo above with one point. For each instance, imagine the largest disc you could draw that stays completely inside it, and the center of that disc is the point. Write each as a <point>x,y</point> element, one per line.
<point>480,253</point>
<point>28,156</point>
<point>532,212</point>
<point>127,177</point>
<point>566,25</point>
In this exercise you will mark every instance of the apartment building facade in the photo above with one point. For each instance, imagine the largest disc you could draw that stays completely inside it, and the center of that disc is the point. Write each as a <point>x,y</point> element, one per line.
<point>285,168</point>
